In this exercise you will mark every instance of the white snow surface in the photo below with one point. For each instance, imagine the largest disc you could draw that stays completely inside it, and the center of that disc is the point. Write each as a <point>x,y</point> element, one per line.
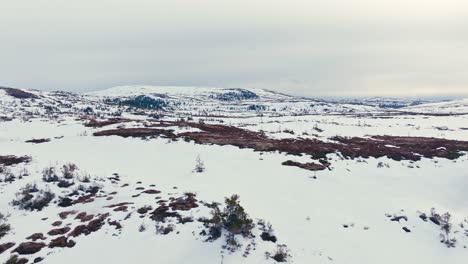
<point>450,107</point>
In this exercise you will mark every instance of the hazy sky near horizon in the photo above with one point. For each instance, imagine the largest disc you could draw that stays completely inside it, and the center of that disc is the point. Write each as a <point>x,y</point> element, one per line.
<point>303,47</point>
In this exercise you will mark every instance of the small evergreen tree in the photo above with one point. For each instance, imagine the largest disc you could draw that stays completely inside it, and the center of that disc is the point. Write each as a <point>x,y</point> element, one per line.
<point>199,165</point>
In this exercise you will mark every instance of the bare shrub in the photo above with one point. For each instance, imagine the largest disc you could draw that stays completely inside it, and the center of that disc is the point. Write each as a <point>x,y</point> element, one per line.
<point>14,259</point>
<point>68,170</point>
<point>267,231</point>
<point>164,229</point>
<point>31,198</point>
<point>281,254</point>
<point>49,174</point>
<point>199,165</point>
<point>4,226</point>
<point>86,178</point>
<point>8,175</point>
<point>65,183</point>
<point>445,226</point>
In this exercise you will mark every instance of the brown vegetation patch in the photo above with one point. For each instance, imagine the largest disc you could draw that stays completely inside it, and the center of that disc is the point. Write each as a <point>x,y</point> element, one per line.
<point>118,204</point>
<point>57,223</point>
<point>405,148</point>
<point>144,209</point>
<point>36,236</point>
<point>102,123</point>
<point>84,217</point>
<point>162,212</point>
<point>136,132</point>
<point>59,231</point>
<point>151,191</point>
<point>4,247</point>
<point>116,224</point>
<point>14,259</point>
<point>9,160</point>
<point>122,208</point>
<point>92,226</point>
<point>28,248</point>
<point>312,166</point>
<point>89,198</point>
<point>184,203</point>
<point>61,242</point>
<point>64,215</point>
<point>396,148</point>
<point>38,140</point>
<point>402,148</point>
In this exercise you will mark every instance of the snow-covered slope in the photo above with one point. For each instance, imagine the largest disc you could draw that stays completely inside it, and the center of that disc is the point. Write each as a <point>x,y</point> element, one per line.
<point>384,102</point>
<point>450,107</point>
<point>195,93</point>
<point>228,101</point>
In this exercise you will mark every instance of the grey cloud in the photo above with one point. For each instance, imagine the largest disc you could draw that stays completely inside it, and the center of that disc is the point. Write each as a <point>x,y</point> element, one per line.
<point>312,48</point>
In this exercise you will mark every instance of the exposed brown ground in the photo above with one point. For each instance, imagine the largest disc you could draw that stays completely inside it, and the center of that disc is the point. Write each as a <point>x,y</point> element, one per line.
<point>107,122</point>
<point>393,147</point>
<point>136,132</point>
<point>312,166</point>
<point>38,140</point>
<point>9,160</point>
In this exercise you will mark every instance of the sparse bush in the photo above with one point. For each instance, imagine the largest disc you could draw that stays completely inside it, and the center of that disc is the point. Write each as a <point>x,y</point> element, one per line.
<point>382,164</point>
<point>233,220</point>
<point>49,174</point>
<point>445,226</point>
<point>8,176</point>
<point>281,254</point>
<point>93,189</point>
<point>236,219</point>
<point>267,231</point>
<point>231,243</point>
<point>85,178</point>
<point>65,202</point>
<point>4,226</point>
<point>15,260</point>
<point>185,219</point>
<point>144,209</point>
<point>255,107</point>
<point>142,228</point>
<point>64,184</point>
<point>162,229</point>
<point>68,170</point>
<point>31,198</point>
<point>199,165</point>
<point>190,194</point>
<point>24,173</point>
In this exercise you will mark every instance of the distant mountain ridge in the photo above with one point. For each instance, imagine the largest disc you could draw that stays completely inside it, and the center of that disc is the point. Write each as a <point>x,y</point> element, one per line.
<point>213,101</point>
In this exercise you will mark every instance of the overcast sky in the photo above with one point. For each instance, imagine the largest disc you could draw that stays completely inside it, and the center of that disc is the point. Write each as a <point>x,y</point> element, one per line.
<point>303,47</point>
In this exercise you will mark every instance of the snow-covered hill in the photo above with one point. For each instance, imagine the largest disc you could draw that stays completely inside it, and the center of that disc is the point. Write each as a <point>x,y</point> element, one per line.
<point>450,107</point>
<point>384,102</point>
<point>225,101</point>
<point>194,93</point>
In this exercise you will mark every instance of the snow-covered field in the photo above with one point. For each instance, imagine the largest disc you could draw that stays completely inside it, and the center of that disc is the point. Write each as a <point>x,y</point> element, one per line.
<point>359,210</point>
